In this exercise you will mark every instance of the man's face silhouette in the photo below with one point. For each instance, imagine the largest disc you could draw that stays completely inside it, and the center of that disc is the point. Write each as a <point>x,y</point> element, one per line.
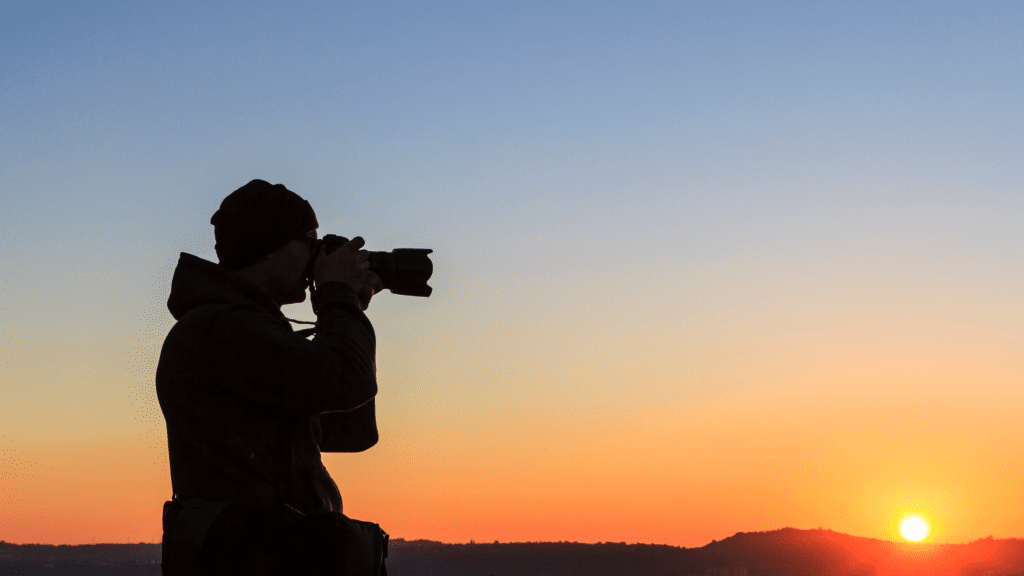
<point>280,273</point>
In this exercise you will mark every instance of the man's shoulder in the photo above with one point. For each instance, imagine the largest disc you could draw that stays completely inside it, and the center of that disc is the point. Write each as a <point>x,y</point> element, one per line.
<point>234,320</point>
<point>221,311</point>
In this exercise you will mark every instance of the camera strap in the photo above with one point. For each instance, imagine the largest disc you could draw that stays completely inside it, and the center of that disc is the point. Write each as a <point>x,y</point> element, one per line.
<point>305,332</point>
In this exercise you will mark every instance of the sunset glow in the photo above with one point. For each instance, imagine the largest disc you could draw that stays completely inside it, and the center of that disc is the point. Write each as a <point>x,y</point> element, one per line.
<point>699,269</point>
<point>914,528</point>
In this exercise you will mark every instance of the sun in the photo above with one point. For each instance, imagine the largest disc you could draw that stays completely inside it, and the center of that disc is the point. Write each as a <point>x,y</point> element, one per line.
<point>914,528</point>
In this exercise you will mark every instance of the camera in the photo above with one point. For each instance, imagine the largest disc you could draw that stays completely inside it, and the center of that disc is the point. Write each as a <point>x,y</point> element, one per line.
<point>404,271</point>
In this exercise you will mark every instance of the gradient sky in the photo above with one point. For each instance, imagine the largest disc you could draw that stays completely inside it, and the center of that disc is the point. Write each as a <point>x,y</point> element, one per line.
<point>700,267</point>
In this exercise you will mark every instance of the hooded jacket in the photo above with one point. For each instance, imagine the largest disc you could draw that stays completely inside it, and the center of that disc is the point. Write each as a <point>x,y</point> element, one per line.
<point>249,403</point>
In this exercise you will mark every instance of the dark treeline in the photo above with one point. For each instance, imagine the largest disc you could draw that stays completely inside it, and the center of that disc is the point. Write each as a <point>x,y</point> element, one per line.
<point>786,552</point>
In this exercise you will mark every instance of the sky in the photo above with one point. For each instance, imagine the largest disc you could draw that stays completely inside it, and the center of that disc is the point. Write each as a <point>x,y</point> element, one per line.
<point>699,267</point>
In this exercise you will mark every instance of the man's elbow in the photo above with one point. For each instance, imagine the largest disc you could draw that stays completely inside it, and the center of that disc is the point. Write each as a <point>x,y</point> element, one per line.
<point>363,394</point>
<point>366,396</point>
<point>365,436</point>
<point>351,442</point>
<point>366,441</point>
<point>350,431</point>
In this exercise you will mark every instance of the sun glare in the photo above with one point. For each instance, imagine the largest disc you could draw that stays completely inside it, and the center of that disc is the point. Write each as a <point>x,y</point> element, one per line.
<point>913,528</point>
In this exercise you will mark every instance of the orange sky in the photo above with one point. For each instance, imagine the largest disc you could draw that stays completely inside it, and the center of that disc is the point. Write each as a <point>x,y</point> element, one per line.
<point>802,456</point>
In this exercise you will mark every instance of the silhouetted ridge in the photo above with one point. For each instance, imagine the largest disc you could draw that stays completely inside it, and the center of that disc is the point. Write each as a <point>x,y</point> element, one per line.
<point>785,552</point>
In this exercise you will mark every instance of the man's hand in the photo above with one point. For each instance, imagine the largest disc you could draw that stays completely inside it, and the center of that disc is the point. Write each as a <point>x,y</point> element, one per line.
<point>370,287</point>
<point>348,265</point>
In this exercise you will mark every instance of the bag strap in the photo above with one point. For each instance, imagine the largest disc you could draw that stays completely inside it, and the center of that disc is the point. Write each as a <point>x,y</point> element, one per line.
<point>282,469</point>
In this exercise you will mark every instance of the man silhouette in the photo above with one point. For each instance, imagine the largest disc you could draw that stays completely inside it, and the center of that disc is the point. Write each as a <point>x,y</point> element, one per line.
<point>250,404</point>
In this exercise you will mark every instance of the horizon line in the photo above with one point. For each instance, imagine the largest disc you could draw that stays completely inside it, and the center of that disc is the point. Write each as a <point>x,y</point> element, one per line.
<point>473,542</point>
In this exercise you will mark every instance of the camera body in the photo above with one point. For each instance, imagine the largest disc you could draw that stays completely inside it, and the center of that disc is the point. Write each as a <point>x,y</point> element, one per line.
<point>403,271</point>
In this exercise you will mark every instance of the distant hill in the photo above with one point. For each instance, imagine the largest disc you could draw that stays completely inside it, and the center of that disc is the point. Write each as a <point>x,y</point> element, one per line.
<point>83,560</point>
<point>785,552</point>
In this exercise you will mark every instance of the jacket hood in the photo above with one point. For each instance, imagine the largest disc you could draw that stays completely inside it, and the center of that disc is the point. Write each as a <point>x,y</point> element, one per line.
<point>198,282</point>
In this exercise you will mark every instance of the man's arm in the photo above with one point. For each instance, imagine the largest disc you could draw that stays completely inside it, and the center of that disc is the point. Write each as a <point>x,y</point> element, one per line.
<point>352,431</point>
<point>248,351</point>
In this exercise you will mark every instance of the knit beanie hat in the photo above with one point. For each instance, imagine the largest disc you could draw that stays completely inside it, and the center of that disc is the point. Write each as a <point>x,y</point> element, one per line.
<point>257,219</point>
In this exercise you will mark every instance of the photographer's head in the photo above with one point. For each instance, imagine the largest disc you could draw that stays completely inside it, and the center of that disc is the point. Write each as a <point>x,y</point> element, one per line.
<point>263,233</point>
